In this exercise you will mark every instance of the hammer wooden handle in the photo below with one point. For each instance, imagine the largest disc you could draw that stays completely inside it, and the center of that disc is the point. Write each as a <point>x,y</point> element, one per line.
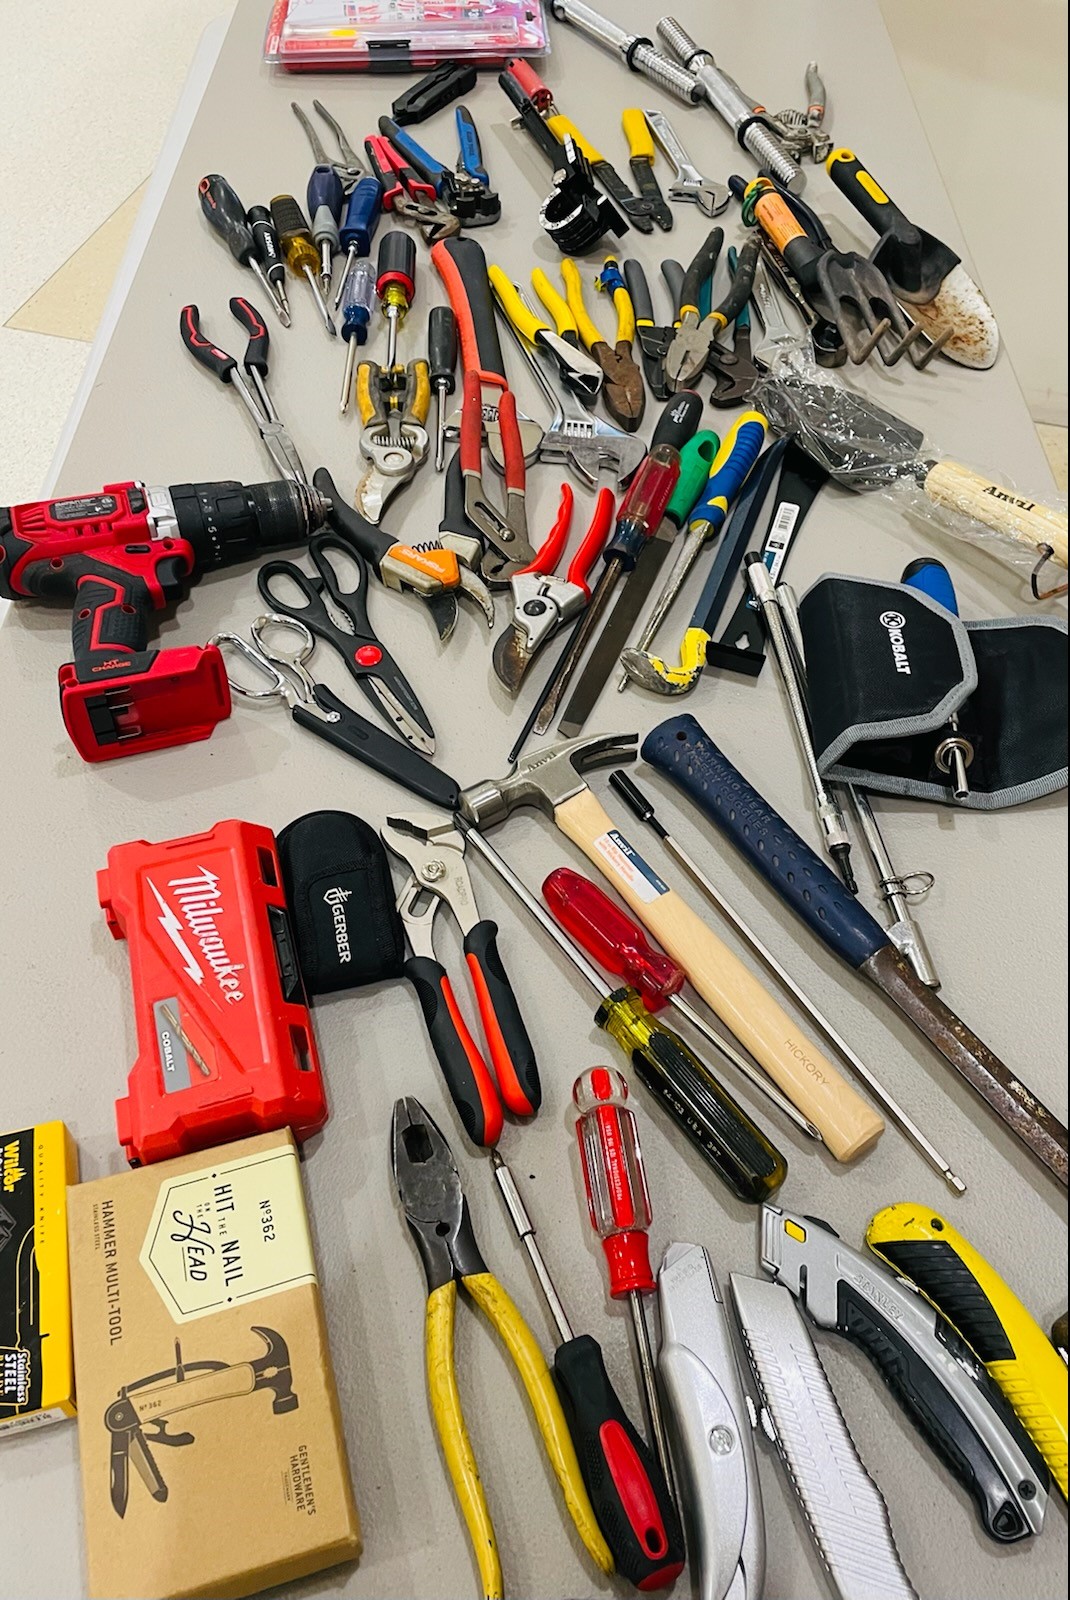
<point>848,1125</point>
<point>959,489</point>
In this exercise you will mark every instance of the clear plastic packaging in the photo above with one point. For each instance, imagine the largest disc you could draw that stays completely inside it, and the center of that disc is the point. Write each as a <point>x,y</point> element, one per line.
<point>864,447</point>
<point>401,35</point>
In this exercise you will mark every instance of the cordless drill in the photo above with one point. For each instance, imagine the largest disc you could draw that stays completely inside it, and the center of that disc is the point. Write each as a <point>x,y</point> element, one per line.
<point>120,555</point>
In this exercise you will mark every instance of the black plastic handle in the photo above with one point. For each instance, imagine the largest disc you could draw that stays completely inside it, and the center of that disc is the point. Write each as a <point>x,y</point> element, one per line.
<point>511,1050</point>
<point>530,121</point>
<point>742,283</point>
<point>626,1485</point>
<point>396,262</point>
<point>467,1077</point>
<point>868,197</point>
<point>442,348</point>
<point>226,214</point>
<point>111,620</point>
<point>366,539</point>
<point>679,420</point>
<point>255,358</point>
<point>701,268</point>
<point>266,241</point>
<point>462,266</point>
<point>673,274</point>
<point>639,290</point>
<point>945,1280</point>
<point>932,1408</point>
<point>365,742</point>
<point>682,749</point>
<point>201,347</point>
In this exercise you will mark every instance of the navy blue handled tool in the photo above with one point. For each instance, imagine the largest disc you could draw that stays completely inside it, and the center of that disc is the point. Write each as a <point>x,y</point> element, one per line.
<point>685,753</point>
<point>954,753</point>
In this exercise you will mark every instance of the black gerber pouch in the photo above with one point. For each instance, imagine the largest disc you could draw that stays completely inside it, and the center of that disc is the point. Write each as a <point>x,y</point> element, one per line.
<point>887,668</point>
<point>337,878</point>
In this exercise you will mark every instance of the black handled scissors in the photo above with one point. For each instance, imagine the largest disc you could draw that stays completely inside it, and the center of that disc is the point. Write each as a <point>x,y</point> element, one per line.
<point>368,660</point>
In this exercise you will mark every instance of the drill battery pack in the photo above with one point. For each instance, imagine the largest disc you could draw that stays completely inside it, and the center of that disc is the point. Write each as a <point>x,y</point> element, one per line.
<point>225,1041</point>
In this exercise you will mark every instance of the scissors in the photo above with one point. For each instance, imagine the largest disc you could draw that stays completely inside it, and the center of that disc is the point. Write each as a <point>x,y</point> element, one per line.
<point>315,707</point>
<point>369,662</point>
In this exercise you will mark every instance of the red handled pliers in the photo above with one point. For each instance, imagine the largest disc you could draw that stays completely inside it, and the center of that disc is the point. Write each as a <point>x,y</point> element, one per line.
<point>406,194</point>
<point>542,603</point>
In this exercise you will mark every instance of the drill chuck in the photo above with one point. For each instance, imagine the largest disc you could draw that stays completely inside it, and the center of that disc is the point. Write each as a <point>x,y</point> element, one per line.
<point>231,522</point>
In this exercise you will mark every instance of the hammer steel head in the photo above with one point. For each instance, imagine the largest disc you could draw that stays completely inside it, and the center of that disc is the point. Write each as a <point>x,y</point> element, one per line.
<point>546,778</point>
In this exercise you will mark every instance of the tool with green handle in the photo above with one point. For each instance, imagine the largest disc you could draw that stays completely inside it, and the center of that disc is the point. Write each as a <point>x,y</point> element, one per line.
<point>737,455</point>
<point>921,1246</point>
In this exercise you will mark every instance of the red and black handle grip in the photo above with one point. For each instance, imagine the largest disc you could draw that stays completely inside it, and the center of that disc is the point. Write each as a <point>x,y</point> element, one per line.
<point>626,1485</point>
<point>201,347</point>
<point>467,1076</point>
<point>110,626</point>
<point>511,1052</point>
<point>255,358</point>
<point>462,266</point>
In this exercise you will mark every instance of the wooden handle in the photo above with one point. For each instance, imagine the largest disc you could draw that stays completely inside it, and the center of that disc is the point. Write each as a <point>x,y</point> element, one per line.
<point>957,487</point>
<point>848,1125</point>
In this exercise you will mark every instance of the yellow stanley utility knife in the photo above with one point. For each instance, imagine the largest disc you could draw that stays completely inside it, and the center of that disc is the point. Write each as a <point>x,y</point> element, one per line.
<point>923,1247</point>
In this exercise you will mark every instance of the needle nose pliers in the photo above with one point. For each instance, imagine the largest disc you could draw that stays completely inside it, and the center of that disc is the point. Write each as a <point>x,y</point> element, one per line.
<point>436,1211</point>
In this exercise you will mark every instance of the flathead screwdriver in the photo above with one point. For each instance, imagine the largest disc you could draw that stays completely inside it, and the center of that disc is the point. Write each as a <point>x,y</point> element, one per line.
<point>325,199</point>
<point>618,944</point>
<point>618,1203</point>
<point>442,359</point>
<point>357,307</point>
<point>269,252</point>
<point>226,214</point>
<point>627,1487</point>
<point>395,284</point>
<point>302,257</point>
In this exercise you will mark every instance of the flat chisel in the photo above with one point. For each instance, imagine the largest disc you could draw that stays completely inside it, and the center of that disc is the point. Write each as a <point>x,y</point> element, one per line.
<point>682,749</point>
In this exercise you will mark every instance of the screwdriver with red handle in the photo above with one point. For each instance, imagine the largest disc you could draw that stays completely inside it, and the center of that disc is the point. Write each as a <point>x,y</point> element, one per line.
<point>623,1478</point>
<point>619,1206</point>
<point>606,932</point>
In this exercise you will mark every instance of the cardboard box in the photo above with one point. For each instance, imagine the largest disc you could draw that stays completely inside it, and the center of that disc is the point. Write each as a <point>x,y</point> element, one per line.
<point>213,1457</point>
<point>36,1369</point>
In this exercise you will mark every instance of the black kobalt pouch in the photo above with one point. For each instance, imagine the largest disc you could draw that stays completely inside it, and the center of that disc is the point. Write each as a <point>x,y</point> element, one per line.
<point>887,668</point>
<point>341,896</point>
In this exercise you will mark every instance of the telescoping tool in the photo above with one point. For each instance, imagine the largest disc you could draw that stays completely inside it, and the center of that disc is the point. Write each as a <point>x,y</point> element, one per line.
<point>302,257</point>
<point>252,244</point>
<point>225,1042</point>
<point>931,1370</point>
<point>923,1248</point>
<point>437,1216</point>
<point>433,850</point>
<point>688,756</point>
<point>121,553</point>
<point>624,1479</point>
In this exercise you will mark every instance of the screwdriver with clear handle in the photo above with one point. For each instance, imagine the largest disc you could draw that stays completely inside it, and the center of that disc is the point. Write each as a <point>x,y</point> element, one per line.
<point>357,307</point>
<point>618,1203</point>
<point>620,945</point>
<point>302,257</point>
<point>628,1491</point>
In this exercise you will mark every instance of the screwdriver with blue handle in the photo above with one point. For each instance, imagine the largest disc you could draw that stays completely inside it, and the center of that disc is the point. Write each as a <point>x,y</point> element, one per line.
<point>739,450</point>
<point>326,200</point>
<point>954,753</point>
<point>355,235</point>
<point>923,1247</point>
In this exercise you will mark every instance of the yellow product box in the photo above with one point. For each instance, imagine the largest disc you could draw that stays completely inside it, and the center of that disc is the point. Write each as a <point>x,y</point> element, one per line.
<point>36,1370</point>
<point>213,1456</point>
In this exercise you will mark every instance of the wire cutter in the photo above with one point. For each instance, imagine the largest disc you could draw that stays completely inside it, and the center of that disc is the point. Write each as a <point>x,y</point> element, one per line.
<point>464,189</point>
<point>436,1211</point>
<point>348,168</point>
<point>622,390</point>
<point>542,603</point>
<point>393,403</point>
<point>581,375</point>
<point>256,400</point>
<point>406,194</point>
<point>432,847</point>
<point>686,357</point>
<point>368,661</point>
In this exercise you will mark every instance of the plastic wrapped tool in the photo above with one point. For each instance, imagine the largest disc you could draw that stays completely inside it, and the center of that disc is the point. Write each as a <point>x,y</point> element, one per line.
<point>398,35</point>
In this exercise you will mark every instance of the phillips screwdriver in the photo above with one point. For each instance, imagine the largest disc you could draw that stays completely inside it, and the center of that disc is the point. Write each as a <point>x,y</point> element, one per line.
<point>356,320</point>
<point>269,252</point>
<point>302,257</point>
<point>618,944</point>
<point>226,214</point>
<point>325,199</point>
<point>625,1482</point>
<point>619,1206</point>
<point>358,228</point>
<point>703,1110</point>
<point>442,354</point>
<point>395,284</point>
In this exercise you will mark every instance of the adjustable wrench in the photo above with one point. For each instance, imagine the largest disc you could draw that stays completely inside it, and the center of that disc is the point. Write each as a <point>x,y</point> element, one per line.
<point>688,184</point>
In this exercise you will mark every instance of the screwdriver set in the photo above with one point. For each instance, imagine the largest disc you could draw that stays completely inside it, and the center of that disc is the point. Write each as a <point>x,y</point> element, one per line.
<point>627,543</point>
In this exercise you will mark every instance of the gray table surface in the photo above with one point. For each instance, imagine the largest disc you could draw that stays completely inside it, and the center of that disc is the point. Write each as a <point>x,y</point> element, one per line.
<point>995,919</point>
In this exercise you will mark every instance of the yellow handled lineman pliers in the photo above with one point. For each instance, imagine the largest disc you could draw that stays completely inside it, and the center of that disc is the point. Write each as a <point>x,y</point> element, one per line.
<point>436,1211</point>
<point>622,392</point>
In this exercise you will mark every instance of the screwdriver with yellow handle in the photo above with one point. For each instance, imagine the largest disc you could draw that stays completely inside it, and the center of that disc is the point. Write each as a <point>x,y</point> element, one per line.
<point>639,211</point>
<point>302,257</point>
<point>641,160</point>
<point>924,1248</point>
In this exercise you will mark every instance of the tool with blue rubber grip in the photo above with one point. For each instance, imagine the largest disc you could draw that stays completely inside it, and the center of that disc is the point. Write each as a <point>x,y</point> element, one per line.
<point>355,235</point>
<point>954,753</point>
<point>738,453</point>
<point>684,752</point>
<point>326,200</point>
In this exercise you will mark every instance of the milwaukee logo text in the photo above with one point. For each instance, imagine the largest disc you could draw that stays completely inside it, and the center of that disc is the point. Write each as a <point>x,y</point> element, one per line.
<point>199,912</point>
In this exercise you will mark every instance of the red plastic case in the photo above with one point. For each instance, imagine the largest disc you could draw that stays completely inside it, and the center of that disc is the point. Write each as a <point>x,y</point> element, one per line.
<point>225,1041</point>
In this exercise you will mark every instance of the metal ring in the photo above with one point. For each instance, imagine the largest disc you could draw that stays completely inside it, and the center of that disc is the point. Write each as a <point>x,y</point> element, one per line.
<point>268,669</point>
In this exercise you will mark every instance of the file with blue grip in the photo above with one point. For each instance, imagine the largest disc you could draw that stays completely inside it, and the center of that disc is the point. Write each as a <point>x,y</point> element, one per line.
<point>739,451</point>
<point>685,753</point>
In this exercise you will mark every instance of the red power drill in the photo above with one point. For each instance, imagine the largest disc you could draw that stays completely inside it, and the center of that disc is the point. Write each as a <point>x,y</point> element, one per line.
<point>120,555</point>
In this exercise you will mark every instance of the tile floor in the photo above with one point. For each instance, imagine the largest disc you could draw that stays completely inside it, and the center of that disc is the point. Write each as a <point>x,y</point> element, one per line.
<point>59,263</point>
